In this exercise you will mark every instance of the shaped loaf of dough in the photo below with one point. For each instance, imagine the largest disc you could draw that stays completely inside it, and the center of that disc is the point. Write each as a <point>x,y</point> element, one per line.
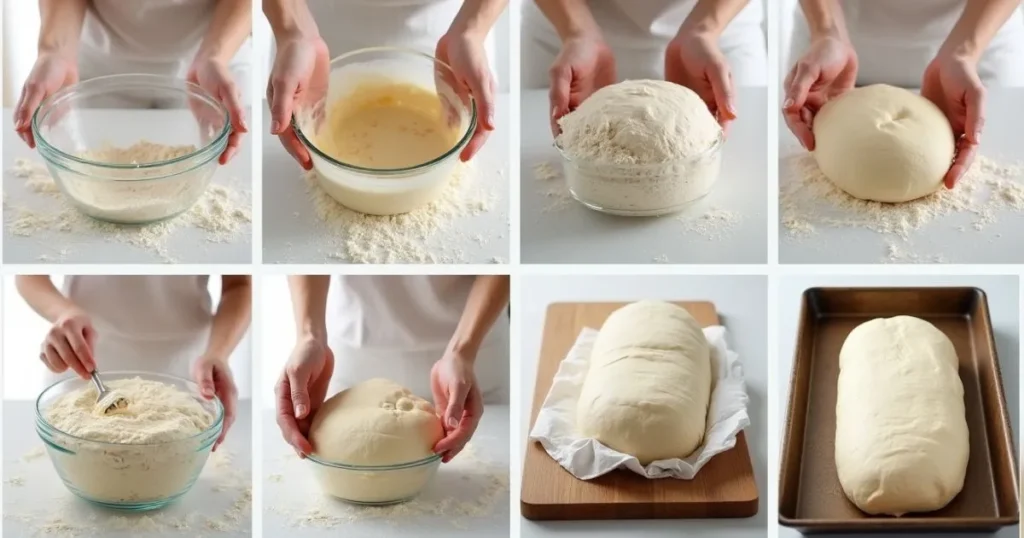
<point>376,422</point>
<point>649,384</point>
<point>901,428</point>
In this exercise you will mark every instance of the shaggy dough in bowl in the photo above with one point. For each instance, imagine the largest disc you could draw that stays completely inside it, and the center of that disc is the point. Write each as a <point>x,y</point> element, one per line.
<point>883,143</point>
<point>649,384</point>
<point>375,423</point>
<point>901,428</point>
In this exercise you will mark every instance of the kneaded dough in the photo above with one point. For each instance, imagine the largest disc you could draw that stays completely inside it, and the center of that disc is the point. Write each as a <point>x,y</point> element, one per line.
<point>901,428</point>
<point>376,422</point>
<point>883,143</point>
<point>649,384</point>
<point>386,125</point>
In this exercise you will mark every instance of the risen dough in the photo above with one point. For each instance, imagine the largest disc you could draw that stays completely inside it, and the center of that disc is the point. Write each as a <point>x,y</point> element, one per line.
<point>901,431</point>
<point>883,143</point>
<point>649,383</point>
<point>376,422</point>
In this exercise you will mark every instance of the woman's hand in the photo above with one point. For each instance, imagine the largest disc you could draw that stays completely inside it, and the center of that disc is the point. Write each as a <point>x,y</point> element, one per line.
<point>69,344</point>
<point>299,76</point>
<point>584,65</point>
<point>695,61</point>
<point>827,69</point>
<point>214,76</point>
<point>213,375</point>
<point>51,72</point>
<point>301,391</point>
<point>464,53</point>
<point>952,83</point>
<point>457,398</point>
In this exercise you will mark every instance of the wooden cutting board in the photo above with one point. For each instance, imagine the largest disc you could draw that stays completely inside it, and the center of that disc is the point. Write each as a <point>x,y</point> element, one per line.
<point>724,488</point>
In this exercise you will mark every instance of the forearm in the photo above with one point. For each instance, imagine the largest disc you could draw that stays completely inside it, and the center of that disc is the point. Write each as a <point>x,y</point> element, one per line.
<point>232,319</point>
<point>309,305</point>
<point>42,296</point>
<point>570,18</point>
<point>229,28</point>
<point>712,16</point>
<point>290,18</point>
<point>60,27</point>
<point>487,299</point>
<point>477,17</point>
<point>978,23</point>
<point>824,19</point>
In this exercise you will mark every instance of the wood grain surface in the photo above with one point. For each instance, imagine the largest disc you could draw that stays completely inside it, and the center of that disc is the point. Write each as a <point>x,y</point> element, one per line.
<point>724,488</point>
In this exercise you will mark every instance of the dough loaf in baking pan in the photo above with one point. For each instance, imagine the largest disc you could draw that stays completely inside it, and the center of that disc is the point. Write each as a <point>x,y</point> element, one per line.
<point>649,384</point>
<point>901,428</point>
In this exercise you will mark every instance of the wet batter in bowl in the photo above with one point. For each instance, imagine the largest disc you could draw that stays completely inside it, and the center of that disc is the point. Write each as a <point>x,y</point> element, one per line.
<point>387,125</point>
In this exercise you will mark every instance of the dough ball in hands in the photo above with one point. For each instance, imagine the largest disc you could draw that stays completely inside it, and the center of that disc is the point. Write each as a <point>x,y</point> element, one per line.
<point>376,422</point>
<point>649,384</point>
<point>901,429</point>
<point>883,143</point>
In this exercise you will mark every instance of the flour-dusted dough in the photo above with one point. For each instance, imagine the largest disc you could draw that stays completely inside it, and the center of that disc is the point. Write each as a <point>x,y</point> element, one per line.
<point>376,422</point>
<point>883,143</point>
<point>901,429</point>
<point>649,384</point>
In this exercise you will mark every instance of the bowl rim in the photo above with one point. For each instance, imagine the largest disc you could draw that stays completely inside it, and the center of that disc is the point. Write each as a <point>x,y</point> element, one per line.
<point>215,425</point>
<point>711,151</point>
<point>463,141</point>
<point>167,83</point>
<point>390,467</point>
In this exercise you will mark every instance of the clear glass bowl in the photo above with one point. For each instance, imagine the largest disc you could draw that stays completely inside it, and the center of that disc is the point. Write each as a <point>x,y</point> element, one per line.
<point>92,115</point>
<point>374,484</point>
<point>127,477</point>
<point>384,191</point>
<point>642,190</point>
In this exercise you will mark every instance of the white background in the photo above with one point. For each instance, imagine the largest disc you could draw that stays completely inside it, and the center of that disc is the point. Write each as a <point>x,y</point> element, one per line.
<point>23,332</point>
<point>741,302</point>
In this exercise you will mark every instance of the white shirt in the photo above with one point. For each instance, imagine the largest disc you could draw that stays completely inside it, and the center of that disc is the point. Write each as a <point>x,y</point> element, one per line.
<point>397,327</point>
<point>149,323</point>
<point>895,41</point>
<point>638,33</point>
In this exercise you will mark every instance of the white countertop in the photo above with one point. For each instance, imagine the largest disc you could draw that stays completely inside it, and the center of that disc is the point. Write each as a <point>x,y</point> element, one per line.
<point>1002,295</point>
<point>572,233</point>
<point>293,503</point>
<point>42,502</point>
<point>999,242</point>
<point>741,302</point>
<point>184,245</point>
<point>292,232</point>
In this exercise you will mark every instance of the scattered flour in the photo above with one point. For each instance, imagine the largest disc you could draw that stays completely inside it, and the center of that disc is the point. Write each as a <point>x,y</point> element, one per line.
<point>809,201</point>
<point>404,238</point>
<point>221,213</point>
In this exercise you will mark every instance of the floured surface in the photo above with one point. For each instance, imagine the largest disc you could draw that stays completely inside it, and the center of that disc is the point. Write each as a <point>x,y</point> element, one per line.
<point>470,224</point>
<point>727,226</point>
<point>980,221</point>
<point>36,503</point>
<point>40,227</point>
<point>468,497</point>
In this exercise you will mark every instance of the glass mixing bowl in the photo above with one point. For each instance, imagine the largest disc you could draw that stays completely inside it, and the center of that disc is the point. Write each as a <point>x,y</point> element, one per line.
<point>78,121</point>
<point>127,477</point>
<point>374,484</point>
<point>645,190</point>
<point>384,191</point>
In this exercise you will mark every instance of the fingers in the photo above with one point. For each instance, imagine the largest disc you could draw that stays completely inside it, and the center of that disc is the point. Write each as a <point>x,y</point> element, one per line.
<point>31,95</point>
<point>228,398</point>
<point>480,136</point>
<point>456,440</point>
<point>962,163</point>
<point>802,131</point>
<point>60,345</point>
<point>81,349</point>
<point>202,374</point>
<point>458,391</point>
<point>975,104</point>
<point>282,93</point>
<point>291,143</point>
<point>52,360</point>
<point>799,87</point>
<point>482,87</point>
<point>558,95</point>
<point>234,142</point>
<point>228,95</point>
<point>286,419</point>
<point>298,381</point>
<point>721,87</point>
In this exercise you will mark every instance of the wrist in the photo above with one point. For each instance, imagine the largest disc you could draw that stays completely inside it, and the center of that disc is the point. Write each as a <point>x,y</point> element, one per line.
<point>214,357</point>
<point>66,50</point>
<point>310,332</point>
<point>964,50</point>
<point>464,347</point>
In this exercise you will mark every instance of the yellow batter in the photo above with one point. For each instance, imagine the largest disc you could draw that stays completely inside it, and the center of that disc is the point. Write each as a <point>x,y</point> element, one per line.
<point>387,125</point>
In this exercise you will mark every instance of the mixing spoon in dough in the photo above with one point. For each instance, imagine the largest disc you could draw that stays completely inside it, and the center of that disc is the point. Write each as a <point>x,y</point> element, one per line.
<point>107,401</point>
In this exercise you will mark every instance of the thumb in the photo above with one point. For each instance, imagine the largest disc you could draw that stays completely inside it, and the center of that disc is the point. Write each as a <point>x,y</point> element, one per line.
<point>298,380</point>
<point>89,333</point>
<point>204,378</point>
<point>282,102</point>
<point>561,81</point>
<point>975,110</point>
<point>721,87</point>
<point>456,402</point>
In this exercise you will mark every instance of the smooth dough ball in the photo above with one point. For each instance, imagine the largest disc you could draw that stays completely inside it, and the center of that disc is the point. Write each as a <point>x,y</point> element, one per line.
<point>649,384</point>
<point>901,427</point>
<point>883,143</point>
<point>376,422</point>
